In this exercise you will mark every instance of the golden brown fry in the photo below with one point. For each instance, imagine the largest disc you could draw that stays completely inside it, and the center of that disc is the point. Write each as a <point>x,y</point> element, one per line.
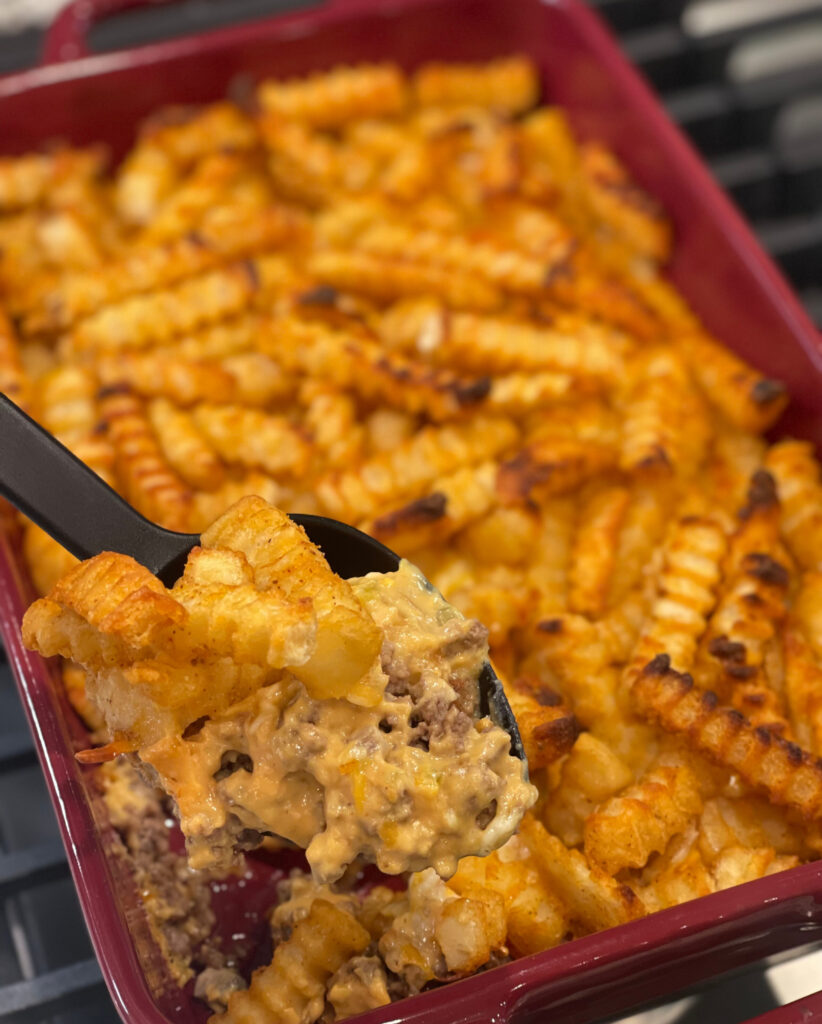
<point>144,475</point>
<point>551,557</point>
<point>589,776</point>
<point>583,350</point>
<point>155,374</point>
<point>752,603</point>
<point>552,466</point>
<point>666,427</point>
<point>547,727</point>
<point>452,503</point>
<point>789,775</point>
<point>225,234</point>
<point>621,207</point>
<point>187,450</point>
<point>278,551</point>
<point>685,594</point>
<point>252,438</point>
<point>796,472</point>
<point>628,828</point>
<point>210,505</point>
<point>347,360</point>
<point>413,466</point>
<point>26,180</point>
<point>332,98</point>
<point>292,987</point>
<point>595,549</point>
<point>509,85</point>
<point>157,317</point>
<point>384,281</point>
<point>594,900</point>
<point>746,398</point>
<point>534,917</point>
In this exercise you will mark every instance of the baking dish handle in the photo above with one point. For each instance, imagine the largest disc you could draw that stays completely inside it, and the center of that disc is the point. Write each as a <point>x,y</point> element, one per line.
<point>66,38</point>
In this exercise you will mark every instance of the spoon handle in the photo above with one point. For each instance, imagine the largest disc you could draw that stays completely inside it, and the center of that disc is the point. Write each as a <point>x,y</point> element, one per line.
<point>58,492</point>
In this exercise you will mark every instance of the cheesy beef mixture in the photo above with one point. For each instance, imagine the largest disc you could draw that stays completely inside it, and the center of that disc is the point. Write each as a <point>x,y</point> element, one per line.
<point>413,781</point>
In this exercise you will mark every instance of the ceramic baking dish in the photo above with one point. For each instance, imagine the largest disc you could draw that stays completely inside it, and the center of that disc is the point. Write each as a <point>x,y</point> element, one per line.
<point>718,265</point>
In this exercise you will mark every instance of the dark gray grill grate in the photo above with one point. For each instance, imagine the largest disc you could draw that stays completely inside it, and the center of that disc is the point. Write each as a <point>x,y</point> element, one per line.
<point>752,104</point>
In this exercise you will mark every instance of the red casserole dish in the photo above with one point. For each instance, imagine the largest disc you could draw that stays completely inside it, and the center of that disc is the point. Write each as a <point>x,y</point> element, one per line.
<point>719,267</point>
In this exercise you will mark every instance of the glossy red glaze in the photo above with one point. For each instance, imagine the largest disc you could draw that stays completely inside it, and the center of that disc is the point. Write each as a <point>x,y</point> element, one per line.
<point>720,268</point>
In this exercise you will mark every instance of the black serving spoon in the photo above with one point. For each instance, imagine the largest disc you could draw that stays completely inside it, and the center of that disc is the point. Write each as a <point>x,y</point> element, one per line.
<point>58,492</point>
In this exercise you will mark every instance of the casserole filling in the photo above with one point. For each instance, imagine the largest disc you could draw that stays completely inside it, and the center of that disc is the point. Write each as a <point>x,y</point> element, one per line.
<point>413,781</point>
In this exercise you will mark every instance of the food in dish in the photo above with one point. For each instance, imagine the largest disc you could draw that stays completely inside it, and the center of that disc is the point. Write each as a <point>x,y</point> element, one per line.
<point>268,696</point>
<point>421,304</point>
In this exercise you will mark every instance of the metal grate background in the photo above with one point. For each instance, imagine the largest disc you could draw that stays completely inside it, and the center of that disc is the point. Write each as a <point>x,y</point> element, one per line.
<point>744,78</point>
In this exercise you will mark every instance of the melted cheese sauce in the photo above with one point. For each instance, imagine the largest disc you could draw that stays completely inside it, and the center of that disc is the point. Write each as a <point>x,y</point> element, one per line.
<point>415,781</point>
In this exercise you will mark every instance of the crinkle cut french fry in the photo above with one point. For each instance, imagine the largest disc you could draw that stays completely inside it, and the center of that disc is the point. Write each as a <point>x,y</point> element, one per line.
<point>500,596</point>
<point>185,447</point>
<point>207,506</point>
<point>685,594</point>
<point>292,987</point>
<point>547,727</point>
<point>331,98</point>
<point>552,466</point>
<point>534,918</point>
<point>752,603</point>
<point>277,549</point>
<point>229,615</point>
<point>590,775</point>
<point>594,899</point>
<point>26,180</point>
<point>509,85</point>
<point>252,438</point>
<point>153,374</point>
<point>205,187</point>
<point>796,471</point>
<point>360,364</point>
<point>621,206</point>
<point>645,521</point>
<point>734,457</point>
<point>453,502</point>
<point>595,549</point>
<point>744,396</point>
<point>627,829</point>
<point>585,351</point>
<point>504,267</point>
<point>572,647</point>
<point>224,235</point>
<point>102,613</point>
<point>665,427</point>
<point>550,561</point>
<point>157,317</point>
<point>790,776</point>
<point>145,178</point>
<point>748,821</point>
<point>145,476</point>
<point>372,276</point>
<point>413,466</point>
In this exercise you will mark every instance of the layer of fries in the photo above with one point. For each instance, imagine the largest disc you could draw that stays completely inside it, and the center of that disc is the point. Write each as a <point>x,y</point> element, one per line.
<point>420,304</point>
